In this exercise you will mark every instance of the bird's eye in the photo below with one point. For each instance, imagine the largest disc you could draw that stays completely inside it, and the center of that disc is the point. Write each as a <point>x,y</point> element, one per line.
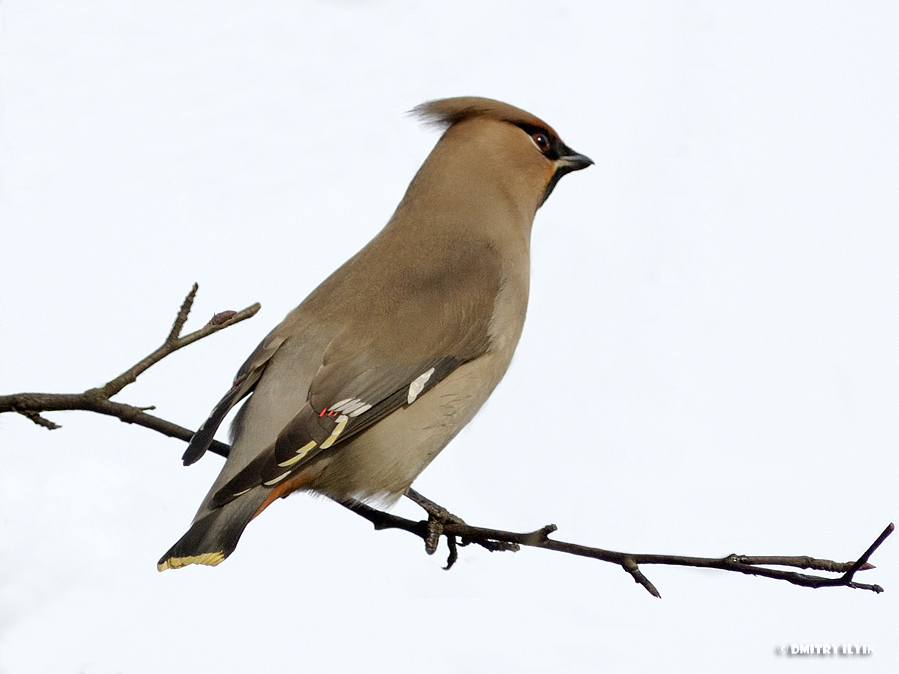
<point>540,140</point>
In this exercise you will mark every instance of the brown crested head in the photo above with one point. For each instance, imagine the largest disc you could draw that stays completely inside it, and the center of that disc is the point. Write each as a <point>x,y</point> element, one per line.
<point>448,112</point>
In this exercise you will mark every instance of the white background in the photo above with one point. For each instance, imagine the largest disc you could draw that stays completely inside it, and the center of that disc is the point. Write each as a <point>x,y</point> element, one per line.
<point>710,363</point>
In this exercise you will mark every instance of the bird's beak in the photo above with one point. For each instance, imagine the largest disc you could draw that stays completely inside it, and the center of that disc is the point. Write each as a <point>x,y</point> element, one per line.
<point>568,162</point>
<point>573,162</point>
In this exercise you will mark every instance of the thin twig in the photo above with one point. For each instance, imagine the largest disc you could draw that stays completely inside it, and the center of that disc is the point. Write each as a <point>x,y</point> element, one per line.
<point>39,420</point>
<point>172,343</point>
<point>630,565</point>
<point>183,313</point>
<point>862,562</point>
<point>31,405</point>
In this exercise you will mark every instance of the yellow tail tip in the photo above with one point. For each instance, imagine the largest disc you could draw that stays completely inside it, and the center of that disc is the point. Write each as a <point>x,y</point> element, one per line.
<point>207,558</point>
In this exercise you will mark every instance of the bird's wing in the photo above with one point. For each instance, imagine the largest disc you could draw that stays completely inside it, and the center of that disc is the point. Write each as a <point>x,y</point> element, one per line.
<point>244,383</point>
<point>373,367</point>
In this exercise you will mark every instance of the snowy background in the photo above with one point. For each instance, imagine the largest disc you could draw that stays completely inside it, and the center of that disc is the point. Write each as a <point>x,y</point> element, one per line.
<point>714,314</point>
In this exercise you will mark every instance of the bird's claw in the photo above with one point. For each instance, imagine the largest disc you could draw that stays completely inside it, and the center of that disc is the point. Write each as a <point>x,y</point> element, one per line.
<point>438,518</point>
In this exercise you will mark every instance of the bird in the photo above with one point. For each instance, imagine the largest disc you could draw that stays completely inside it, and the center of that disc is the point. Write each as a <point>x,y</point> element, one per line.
<point>357,390</point>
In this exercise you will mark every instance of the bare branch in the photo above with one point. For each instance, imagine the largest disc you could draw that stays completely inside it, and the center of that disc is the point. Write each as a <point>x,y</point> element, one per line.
<point>172,343</point>
<point>495,539</point>
<point>440,523</point>
<point>97,400</point>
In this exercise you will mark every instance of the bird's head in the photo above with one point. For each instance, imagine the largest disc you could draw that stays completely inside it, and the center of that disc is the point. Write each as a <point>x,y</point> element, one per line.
<point>507,136</point>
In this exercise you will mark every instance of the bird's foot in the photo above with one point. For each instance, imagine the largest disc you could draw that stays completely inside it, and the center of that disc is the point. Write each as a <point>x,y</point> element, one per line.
<point>438,518</point>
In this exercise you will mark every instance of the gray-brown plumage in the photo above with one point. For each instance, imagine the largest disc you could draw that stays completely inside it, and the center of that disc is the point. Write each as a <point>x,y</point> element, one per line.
<point>360,387</point>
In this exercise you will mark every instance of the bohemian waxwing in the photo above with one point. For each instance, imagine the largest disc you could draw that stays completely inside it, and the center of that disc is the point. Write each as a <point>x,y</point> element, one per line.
<point>361,386</point>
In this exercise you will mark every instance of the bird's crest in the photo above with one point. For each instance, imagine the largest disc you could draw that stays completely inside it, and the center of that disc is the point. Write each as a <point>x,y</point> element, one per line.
<point>448,111</point>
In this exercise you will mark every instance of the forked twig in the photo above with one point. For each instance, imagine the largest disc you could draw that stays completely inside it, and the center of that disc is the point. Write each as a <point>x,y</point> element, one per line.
<point>31,405</point>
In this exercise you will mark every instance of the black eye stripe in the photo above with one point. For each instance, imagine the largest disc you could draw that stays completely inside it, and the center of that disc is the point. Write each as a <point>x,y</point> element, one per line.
<point>543,139</point>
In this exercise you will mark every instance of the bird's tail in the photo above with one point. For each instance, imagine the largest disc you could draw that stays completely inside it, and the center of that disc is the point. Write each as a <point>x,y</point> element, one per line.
<point>214,536</point>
